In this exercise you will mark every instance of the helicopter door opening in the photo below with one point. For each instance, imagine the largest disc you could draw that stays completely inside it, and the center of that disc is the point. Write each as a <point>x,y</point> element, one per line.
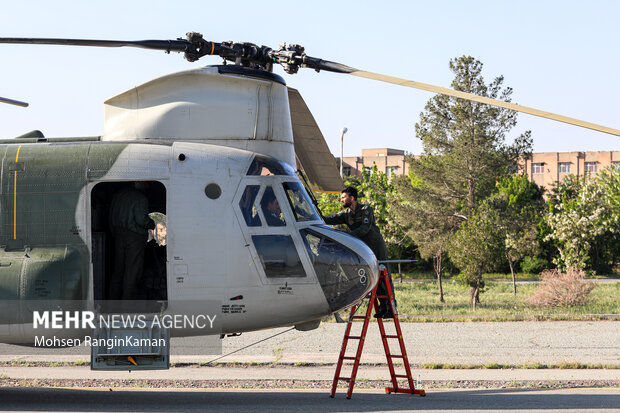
<point>122,256</point>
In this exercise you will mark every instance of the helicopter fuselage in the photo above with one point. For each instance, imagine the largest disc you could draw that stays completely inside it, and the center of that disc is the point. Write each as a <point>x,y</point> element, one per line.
<point>220,245</point>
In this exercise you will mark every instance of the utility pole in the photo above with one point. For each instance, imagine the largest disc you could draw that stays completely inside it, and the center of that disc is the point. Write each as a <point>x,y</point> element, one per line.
<point>342,132</point>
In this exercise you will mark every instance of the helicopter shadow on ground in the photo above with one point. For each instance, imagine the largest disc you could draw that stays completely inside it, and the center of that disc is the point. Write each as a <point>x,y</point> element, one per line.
<point>184,400</point>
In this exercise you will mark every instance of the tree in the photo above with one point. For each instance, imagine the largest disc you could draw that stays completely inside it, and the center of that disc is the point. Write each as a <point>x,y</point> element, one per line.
<point>519,204</point>
<point>465,154</point>
<point>477,247</point>
<point>469,139</point>
<point>584,221</point>
<point>429,222</point>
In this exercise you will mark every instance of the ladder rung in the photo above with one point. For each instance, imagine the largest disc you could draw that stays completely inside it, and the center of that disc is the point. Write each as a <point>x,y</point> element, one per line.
<point>374,303</point>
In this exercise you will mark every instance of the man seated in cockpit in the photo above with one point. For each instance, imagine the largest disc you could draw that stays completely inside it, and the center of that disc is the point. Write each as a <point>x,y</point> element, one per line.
<point>271,209</point>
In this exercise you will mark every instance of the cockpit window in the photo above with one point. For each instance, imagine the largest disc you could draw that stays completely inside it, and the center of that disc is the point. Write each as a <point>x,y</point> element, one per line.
<point>271,209</point>
<point>343,274</point>
<point>248,209</point>
<point>300,203</point>
<point>266,166</point>
<point>278,256</point>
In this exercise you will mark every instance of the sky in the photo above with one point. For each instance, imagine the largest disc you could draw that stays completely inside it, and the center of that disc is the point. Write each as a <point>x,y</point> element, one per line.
<point>558,56</point>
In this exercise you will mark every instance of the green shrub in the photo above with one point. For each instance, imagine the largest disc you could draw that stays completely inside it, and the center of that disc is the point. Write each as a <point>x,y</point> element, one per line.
<point>533,265</point>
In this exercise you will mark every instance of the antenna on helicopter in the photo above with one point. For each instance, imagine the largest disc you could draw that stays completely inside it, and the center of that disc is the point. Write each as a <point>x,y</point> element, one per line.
<point>291,58</point>
<point>13,102</point>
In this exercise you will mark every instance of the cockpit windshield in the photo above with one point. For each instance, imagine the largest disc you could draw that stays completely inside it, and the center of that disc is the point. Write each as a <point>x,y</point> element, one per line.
<point>299,201</point>
<point>267,166</point>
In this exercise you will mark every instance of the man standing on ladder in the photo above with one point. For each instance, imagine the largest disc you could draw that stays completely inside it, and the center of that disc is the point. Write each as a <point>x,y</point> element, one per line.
<point>360,220</point>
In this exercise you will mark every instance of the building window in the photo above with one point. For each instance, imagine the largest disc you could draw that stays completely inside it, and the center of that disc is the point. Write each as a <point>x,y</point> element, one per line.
<point>615,165</point>
<point>346,170</point>
<point>538,168</point>
<point>590,167</point>
<point>391,170</point>
<point>368,170</point>
<point>564,167</point>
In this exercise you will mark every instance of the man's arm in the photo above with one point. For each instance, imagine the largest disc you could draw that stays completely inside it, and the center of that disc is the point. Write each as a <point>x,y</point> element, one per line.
<point>335,219</point>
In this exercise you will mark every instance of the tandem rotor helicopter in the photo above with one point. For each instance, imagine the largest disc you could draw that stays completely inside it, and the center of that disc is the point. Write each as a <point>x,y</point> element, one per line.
<point>214,144</point>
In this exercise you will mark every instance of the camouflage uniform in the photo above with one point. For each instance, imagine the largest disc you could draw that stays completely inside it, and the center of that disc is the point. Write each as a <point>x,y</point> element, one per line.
<point>361,224</point>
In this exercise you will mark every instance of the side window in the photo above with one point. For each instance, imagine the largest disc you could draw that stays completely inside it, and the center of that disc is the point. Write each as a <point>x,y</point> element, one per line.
<point>271,209</point>
<point>300,202</point>
<point>248,209</point>
<point>278,256</point>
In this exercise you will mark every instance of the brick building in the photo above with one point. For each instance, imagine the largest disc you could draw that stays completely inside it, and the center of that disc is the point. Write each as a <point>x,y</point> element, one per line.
<point>389,161</point>
<point>544,168</point>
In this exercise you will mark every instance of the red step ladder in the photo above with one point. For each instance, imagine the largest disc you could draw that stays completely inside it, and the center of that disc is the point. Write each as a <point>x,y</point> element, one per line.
<point>374,303</point>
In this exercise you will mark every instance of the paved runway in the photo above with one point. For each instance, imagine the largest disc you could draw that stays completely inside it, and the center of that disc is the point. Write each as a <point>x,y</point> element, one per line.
<point>454,343</point>
<point>509,343</point>
<point>88,400</point>
<point>323,373</point>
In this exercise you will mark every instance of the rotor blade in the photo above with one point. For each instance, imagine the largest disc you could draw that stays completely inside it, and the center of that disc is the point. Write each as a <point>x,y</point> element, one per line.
<point>311,149</point>
<point>167,45</point>
<point>482,99</point>
<point>13,102</point>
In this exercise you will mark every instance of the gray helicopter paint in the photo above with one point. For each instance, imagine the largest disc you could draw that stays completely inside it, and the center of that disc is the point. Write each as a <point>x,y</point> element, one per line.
<point>204,105</point>
<point>209,257</point>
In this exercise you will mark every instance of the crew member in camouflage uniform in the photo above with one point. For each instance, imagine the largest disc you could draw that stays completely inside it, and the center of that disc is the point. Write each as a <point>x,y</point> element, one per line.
<point>360,220</point>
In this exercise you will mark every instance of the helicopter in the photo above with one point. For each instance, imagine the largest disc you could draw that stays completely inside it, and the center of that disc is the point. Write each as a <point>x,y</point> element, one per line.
<point>215,144</point>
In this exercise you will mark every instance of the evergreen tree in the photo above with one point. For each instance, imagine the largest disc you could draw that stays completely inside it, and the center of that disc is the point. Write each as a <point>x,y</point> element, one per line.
<point>465,154</point>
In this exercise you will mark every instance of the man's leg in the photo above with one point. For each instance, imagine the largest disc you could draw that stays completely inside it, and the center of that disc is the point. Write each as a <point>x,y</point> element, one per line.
<point>116,280</point>
<point>134,264</point>
<point>384,309</point>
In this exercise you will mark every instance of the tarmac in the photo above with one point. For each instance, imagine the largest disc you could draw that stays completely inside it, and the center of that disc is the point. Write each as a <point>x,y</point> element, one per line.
<point>472,351</point>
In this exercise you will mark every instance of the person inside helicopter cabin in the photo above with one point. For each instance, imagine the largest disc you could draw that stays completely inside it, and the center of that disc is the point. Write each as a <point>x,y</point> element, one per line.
<point>271,209</point>
<point>360,220</point>
<point>130,224</point>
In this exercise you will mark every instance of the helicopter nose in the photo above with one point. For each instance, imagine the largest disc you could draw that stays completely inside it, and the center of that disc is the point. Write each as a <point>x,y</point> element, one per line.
<point>345,267</point>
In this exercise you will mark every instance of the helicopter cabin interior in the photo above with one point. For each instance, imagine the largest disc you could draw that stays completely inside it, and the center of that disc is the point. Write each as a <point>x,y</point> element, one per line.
<point>151,285</point>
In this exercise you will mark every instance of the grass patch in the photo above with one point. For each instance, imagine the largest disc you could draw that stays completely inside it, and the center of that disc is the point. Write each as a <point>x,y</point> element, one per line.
<point>419,302</point>
<point>531,366</point>
<point>498,301</point>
